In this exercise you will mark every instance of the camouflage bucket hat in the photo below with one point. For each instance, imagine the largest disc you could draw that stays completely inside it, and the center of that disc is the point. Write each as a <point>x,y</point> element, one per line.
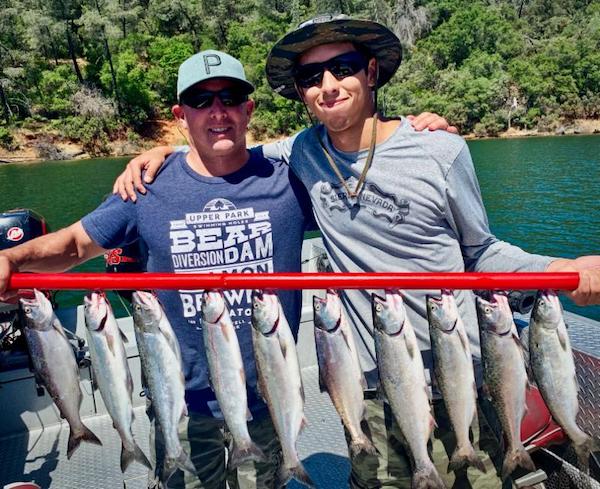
<point>375,38</point>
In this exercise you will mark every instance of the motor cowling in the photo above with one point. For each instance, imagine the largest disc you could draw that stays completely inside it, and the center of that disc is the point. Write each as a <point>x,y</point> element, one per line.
<point>17,226</point>
<point>20,225</point>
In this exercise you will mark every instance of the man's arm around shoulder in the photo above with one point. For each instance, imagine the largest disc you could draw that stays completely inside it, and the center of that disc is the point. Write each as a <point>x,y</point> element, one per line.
<point>54,252</point>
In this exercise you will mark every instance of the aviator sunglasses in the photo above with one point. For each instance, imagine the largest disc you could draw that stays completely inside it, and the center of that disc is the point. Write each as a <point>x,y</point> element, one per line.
<point>342,66</point>
<point>201,99</point>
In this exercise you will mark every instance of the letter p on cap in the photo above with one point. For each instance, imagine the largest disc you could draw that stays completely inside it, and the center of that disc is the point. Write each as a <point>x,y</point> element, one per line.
<point>211,60</point>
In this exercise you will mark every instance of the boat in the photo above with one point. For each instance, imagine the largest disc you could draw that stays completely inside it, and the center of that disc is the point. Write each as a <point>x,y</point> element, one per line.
<point>33,437</point>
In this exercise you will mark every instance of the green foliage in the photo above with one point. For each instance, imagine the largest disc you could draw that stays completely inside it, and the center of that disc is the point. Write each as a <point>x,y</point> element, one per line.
<point>164,56</point>
<point>92,132</point>
<point>55,89</point>
<point>477,62</point>
<point>7,141</point>
<point>132,81</point>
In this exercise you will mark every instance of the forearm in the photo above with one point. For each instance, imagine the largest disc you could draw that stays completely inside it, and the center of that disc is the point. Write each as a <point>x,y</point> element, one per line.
<point>54,252</point>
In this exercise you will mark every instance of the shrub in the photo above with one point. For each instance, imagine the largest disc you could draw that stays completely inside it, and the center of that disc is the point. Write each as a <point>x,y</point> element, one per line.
<point>7,140</point>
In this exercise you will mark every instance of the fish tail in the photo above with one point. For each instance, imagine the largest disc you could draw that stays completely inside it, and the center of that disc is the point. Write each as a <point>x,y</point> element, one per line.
<point>171,465</point>
<point>362,445</point>
<point>285,474</point>
<point>465,457</point>
<point>427,478</point>
<point>583,449</point>
<point>517,457</point>
<point>246,453</point>
<point>79,435</point>
<point>128,456</point>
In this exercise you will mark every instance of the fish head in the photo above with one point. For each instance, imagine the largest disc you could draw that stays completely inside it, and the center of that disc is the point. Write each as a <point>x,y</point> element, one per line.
<point>213,306</point>
<point>442,312</point>
<point>96,310</point>
<point>389,313</point>
<point>328,311</point>
<point>37,311</point>
<point>265,311</point>
<point>494,315</point>
<point>547,309</point>
<point>147,311</point>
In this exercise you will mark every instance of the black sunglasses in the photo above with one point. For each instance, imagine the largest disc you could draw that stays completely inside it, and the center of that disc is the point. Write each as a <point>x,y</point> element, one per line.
<point>201,99</point>
<point>341,66</point>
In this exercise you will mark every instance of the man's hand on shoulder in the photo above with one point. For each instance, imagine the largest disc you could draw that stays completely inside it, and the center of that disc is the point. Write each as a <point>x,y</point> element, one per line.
<point>588,292</point>
<point>431,121</point>
<point>131,179</point>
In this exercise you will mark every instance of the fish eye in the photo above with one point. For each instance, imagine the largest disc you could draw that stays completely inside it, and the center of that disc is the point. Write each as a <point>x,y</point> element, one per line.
<point>137,307</point>
<point>27,310</point>
<point>487,309</point>
<point>378,307</point>
<point>317,307</point>
<point>255,305</point>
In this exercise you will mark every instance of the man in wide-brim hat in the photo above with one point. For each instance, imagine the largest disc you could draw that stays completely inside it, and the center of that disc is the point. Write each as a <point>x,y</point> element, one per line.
<point>390,199</point>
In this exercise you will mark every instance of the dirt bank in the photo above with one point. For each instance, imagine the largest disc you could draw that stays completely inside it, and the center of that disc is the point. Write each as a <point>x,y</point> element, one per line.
<point>42,145</point>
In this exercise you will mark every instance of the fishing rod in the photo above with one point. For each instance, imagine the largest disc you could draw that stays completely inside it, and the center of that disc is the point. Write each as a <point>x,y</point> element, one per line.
<point>193,281</point>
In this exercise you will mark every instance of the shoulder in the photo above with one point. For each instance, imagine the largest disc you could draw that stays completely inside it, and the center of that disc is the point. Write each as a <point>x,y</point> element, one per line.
<point>442,146</point>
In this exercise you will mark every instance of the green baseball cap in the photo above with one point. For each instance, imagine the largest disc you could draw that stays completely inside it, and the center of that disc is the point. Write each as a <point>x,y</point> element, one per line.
<point>210,64</point>
<point>376,39</point>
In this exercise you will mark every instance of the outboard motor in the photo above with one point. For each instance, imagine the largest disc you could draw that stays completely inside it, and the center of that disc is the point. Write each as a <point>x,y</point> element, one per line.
<point>16,226</point>
<point>20,225</point>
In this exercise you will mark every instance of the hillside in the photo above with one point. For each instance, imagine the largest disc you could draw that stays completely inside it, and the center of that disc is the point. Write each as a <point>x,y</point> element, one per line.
<point>90,77</point>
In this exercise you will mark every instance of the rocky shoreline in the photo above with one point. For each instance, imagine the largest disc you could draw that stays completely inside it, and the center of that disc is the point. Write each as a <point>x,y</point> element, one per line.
<point>44,146</point>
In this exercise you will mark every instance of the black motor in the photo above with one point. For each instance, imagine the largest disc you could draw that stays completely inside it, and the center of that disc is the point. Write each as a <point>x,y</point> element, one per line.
<point>20,225</point>
<point>16,226</point>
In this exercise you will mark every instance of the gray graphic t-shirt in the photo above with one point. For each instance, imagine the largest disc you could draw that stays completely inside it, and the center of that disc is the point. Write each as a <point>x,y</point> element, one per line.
<point>419,211</point>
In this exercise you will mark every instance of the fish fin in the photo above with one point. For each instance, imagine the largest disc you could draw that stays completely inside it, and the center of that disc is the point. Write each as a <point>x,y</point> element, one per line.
<point>285,474</point>
<point>322,384</point>
<point>129,383</point>
<point>346,340</point>
<point>303,424</point>
<point>516,458</point>
<point>240,455</point>
<point>123,336</point>
<point>410,347</point>
<point>362,446</point>
<point>302,393</point>
<point>128,456</point>
<point>249,416</point>
<point>486,392</point>
<point>260,389</point>
<point>464,341</point>
<point>184,411</point>
<point>562,339</point>
<point>427,477</point>
<point>75,439</point>
<point>283,347</point>
<point>242,376</point>
<point>363,382</point>
<point>465,457</point>
<point>184,462</point>
<point>225,331</point>
<point>110,342</point>
<point>583,451</point>
<point>59,328</point>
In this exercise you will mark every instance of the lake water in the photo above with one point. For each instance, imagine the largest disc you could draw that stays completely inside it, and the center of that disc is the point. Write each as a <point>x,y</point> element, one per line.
<point>540,194</point>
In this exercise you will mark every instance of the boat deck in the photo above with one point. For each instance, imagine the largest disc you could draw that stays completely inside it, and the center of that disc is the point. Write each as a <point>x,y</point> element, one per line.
<point>40,455</point>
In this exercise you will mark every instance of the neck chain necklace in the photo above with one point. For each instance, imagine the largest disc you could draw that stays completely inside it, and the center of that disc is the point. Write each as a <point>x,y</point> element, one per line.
<point>353,194</point>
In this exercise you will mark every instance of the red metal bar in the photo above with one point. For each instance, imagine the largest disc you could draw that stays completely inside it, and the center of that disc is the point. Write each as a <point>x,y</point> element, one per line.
<point>133,281</point>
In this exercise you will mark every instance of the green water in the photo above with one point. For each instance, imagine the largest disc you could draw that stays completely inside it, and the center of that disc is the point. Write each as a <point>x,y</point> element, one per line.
<point>540,194</point>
